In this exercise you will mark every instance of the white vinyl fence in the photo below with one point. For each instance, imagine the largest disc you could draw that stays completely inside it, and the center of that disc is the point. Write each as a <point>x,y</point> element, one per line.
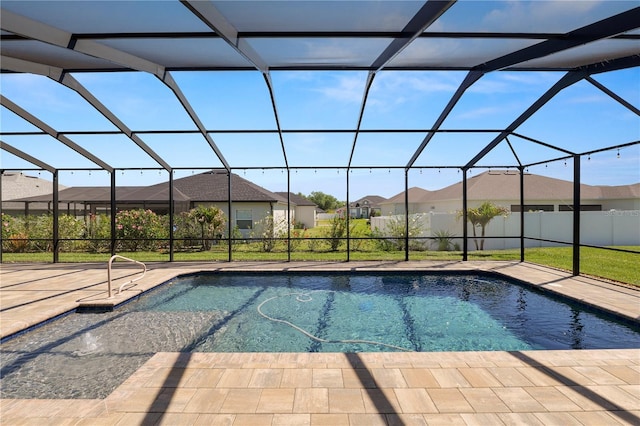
<point>325,216</point>
<point>610,228</point>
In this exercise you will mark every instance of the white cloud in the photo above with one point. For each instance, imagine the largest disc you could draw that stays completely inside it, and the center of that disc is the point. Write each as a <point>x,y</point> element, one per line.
<point>588,99</point>
<point>480,112</point>
<point>348,88</point>
<point>546,16</point>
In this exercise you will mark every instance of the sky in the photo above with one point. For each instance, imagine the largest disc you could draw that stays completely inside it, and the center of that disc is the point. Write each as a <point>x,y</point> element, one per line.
<point>579,119</point>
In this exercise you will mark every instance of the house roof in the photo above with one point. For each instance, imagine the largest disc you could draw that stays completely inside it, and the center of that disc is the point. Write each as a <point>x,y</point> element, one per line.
<point>298,200</point>
<point>211,186</point>
<point>19,185</point>
<point>374,201</point>
<point>500,185</point>
<point>416,195</point>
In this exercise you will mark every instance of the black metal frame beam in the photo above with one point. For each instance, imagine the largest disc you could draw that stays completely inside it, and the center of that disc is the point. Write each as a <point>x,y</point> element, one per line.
<point>605,28</point>
<point>613,95</point>
<point>507,35</point>
<point>25,115</point>
<point>47,34</point>
<point>21,154</point>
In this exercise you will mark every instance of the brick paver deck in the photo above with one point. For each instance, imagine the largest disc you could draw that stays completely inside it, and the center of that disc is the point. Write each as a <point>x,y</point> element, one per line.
<point>599,387</point>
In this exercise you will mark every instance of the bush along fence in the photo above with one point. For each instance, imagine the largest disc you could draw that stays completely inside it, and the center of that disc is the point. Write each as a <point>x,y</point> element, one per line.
<point>135,230</point>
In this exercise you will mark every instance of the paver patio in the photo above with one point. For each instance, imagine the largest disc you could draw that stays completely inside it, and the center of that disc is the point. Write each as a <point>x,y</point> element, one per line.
<point>532,387</point>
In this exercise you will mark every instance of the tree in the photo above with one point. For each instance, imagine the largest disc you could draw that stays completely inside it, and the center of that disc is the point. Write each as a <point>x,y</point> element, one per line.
<point>481,216</point>
<point>324,201</point>
<point>211,221</point>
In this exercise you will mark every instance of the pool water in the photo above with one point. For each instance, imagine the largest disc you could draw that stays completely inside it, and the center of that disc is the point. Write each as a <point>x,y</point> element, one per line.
<point>89,355</point>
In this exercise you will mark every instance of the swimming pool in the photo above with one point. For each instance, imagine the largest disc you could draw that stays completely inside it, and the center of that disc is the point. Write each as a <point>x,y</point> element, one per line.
<point>88,355</point>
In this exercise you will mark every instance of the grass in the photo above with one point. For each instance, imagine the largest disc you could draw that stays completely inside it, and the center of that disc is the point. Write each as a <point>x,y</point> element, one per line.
<point>613,265</point>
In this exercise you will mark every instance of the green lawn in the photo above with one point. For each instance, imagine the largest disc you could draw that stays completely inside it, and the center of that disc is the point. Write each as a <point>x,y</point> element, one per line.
<point>613,265</point>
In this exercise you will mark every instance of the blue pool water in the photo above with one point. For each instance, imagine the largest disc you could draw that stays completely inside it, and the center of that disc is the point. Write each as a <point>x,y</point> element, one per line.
<point>88,355</point>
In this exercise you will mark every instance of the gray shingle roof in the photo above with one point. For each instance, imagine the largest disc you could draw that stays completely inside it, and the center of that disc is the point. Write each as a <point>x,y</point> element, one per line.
<point>416,195</point>
<point>213,186</point>
<point>297,199</point>
<point>504,185</point>
<point>374,201</point>
<point>210,186</point>
<point>18,185</point>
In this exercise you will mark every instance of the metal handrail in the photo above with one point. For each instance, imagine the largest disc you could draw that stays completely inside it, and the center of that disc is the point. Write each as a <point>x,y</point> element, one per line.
<point>117,256</point>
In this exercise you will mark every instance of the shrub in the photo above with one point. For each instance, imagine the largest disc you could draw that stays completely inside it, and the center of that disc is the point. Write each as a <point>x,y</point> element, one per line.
<point>297,236</point>
<point>268,231</point>
<point>394,236</point>
<point>139,230</point>
<point>72,229</point>
<point>98,232</point>
<point>444,240</point>
<point>8,225</point>
<point>337,231</point>
<point>40,232</point>
<point>17,243</point>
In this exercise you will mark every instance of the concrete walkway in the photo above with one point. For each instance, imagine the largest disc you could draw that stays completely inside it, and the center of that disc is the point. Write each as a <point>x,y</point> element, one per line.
<point>535,387</point>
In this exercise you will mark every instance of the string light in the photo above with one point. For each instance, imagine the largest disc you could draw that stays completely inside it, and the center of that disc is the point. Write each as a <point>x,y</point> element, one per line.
<point>589,157</point>
<point>618,155</point>
<point>421,171</point>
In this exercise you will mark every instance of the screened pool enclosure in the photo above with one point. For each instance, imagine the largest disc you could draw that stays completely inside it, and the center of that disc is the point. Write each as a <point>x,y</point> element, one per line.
<point>352,98</point>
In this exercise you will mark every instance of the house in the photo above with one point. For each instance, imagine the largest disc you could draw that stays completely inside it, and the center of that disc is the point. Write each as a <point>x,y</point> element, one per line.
<point>502,187</point>
<point>364,207</point>
<point>305,209</point>
<point>250,203</point>
<point>18,185</point>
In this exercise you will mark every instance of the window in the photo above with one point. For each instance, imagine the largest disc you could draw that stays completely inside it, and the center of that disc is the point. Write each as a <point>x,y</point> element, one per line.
<point>244,219</point>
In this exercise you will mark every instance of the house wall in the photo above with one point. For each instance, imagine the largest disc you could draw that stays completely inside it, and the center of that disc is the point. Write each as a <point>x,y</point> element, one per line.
<point>306,215</point>
<point>259,211</point>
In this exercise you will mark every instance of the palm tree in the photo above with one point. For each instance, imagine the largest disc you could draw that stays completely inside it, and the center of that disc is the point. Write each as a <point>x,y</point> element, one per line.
<point>481,216</point>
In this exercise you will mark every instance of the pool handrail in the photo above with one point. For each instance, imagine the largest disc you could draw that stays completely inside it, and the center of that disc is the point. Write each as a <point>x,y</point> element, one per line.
<point>117,256</point>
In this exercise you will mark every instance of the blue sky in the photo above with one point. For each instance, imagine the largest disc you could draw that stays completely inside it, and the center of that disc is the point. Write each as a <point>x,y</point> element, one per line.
<point>581,118</point>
